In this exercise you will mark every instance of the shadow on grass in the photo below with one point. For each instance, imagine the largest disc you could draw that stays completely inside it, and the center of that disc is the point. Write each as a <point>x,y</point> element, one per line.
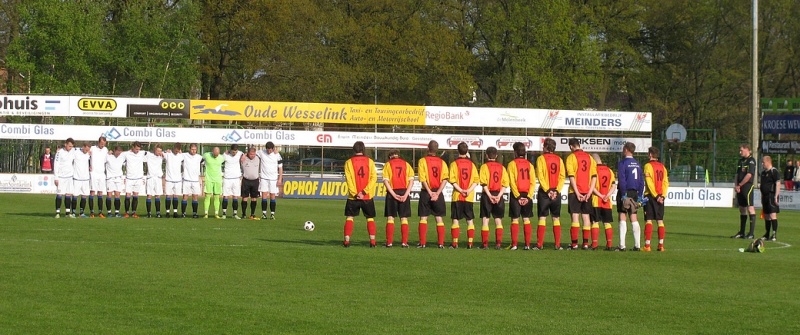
<point>312,242</point>
<point>38,215</point>
<point>699,235</point>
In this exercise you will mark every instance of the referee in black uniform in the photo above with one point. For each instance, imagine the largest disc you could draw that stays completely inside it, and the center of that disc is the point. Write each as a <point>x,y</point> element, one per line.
<point>770,191</point>
<point>250,167</point>
<point>745,174</point>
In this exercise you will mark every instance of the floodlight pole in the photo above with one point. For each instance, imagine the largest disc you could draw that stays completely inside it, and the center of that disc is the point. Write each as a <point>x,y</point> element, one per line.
<point>755,99</point>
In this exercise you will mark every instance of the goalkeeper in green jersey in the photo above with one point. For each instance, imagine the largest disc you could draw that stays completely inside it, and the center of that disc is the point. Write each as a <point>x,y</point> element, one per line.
<point>213,180</point>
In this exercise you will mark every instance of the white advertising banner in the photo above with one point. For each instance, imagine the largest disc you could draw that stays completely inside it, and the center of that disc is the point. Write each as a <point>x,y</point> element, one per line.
<point>677,196</point>
<point>699,197</point>
<point>27,183</point>
<point>301,137</point>
<point>34,105</point>
<point>128,107</point>
<point>787,200</point>
<point>537,118</point>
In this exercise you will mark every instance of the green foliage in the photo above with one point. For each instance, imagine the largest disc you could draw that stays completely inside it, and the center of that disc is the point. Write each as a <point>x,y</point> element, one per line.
<point>144,276</point>
<point>684,61</point>
<point>60,45</point>
<point>133,48</point>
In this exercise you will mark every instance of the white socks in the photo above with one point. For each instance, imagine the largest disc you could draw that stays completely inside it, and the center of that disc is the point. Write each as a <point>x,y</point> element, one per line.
<point>637,234</point>
<point>623,232</point>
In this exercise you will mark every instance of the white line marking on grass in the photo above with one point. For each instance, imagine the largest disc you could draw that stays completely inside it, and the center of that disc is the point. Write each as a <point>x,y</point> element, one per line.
<point>782,246</point>
<point>128,243</point>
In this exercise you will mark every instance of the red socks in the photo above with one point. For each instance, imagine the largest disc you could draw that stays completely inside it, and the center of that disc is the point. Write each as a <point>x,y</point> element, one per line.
<point>557,233</point>
<point>389,233</point>
<point>540,229</point>
<point>404,232</point>
<point>648,232</point>
<point>498,236</point>
<point>528,231</point>
<point>586,236</point>
<point>372,230</point>
<point>454,232</point>
<point>440,233</point>
<point>514,234</point>
<point>348,230</point>
<point>423,232</point>
<point>574,229</point>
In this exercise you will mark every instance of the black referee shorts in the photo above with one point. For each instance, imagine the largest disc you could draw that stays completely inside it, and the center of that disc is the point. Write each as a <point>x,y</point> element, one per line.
<point>250,188</point>
<point>745,197</point>
<point>768,203</point>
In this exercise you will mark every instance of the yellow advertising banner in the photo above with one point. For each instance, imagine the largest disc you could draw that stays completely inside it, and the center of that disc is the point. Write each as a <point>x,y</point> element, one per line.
<point>268,111</point>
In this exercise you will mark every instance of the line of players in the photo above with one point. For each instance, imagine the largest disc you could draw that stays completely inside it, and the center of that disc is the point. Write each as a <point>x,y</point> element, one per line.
<point>89,172</point>
<point>591,185</point>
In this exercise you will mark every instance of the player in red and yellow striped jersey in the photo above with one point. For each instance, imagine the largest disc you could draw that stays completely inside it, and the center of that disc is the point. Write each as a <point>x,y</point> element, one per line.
<point>360,176</point>
<point>397,177</point>
<point>494,179</point>
<point>601,201</point>
<point>656,187</point>
<point>464,177</point>
<point>432,172</point>
<point>550,172</point>
<point>582,174</point>
<point>521,176</point>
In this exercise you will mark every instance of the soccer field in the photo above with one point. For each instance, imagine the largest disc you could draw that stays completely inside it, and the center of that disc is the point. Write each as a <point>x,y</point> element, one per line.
<point>209,276</point>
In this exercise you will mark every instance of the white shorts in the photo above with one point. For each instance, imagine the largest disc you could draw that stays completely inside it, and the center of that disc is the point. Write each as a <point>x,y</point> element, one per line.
<point>80,187</point>
<point>98,183</point>
<point>134,186</point>
<point>174,188</point>
<point>231,187</point>
<point>155,186</point>
<point>115,184</point>
<point>192,188</point>
<point>64,185</point>
<point>269,186</point>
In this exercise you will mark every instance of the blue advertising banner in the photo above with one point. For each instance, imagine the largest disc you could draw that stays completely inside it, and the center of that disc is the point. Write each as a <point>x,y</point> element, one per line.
<point>780,124</point>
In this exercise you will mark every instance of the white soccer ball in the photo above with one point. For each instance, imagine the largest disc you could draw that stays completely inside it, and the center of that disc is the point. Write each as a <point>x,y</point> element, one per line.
<point>309,226</point>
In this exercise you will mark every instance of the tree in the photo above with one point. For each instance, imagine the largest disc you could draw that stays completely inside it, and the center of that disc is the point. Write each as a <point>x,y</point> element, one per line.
<point>60,45</point>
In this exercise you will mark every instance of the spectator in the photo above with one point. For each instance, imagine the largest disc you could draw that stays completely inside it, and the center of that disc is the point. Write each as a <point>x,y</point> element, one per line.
<point>46,161</point>
<point>788,175</point>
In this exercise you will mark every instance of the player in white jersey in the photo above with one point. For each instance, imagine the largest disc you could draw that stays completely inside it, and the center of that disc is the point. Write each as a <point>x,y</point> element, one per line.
<point>97,167</point>
<point>134,178</point>
<point>63,172</point>
<point>192,183</point>
<point>114,182</point>
<point>81,180</point>
<point>173,178</point>
<point>232,180</point>
<point>155,179</point>
<point>271,175</point>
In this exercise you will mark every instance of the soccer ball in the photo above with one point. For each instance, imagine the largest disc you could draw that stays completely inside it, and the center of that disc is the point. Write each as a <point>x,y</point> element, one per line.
<point>309,226</point>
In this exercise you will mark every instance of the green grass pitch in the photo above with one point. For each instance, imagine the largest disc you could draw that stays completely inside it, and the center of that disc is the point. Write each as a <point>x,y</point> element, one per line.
<point>208,276</point>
